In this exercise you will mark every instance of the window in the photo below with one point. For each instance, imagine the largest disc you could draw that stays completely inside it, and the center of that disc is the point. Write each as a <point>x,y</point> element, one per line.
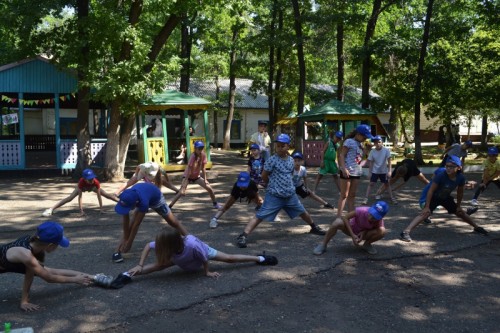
<point>235,129</point>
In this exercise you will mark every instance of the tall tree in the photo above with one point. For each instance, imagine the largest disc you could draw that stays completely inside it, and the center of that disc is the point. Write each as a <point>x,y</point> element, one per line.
<point>418,83</point>
<point>302,68</point>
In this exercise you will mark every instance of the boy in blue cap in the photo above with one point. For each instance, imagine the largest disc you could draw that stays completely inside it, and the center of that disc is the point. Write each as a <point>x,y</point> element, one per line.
<point>26,255</point>
<point>87,183</point>
<point>438,193</point>
<point>363,223</point>
<point>244,188</point>
<point>456,149</point>
<point>280,193</point>
<point>141,197</point>
<point>491,173</point>
<point>256,164</point>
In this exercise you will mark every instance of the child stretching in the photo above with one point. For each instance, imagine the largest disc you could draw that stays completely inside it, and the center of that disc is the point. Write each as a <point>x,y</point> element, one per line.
<point>491,173</point>
<point>244,188</point>
<point>256,165</point>
<point>280,192</point>
<point>196,166</point>
<point>364,223</point>
<point>88,183</point>
<point>189,253</point>
<point>149,172</point>
<point>380,168</point>
<point>300,180</point>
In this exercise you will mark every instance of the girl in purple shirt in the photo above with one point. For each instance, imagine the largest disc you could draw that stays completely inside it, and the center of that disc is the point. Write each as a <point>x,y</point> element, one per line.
<point>189,253</point>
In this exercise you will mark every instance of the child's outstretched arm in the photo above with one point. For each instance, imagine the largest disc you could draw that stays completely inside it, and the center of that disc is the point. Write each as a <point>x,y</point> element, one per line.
<point>80,204</point>
<point>141,269</point>
<point>99,198</point>
<point>208,273</point>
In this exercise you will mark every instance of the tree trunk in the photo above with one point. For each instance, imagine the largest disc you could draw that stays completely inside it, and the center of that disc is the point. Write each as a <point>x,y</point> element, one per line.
<point>83,136</point>
<point>216,111</point>
<point>186,45</point>
<point>365,76</point>
<point>270,77</point>
<point>302,72</point>
<point>113,169</point>
<point>340,61</point>
<point>232,90</point>
<point>418,84</point>
<point>279,77</point>
<point>484,132</point>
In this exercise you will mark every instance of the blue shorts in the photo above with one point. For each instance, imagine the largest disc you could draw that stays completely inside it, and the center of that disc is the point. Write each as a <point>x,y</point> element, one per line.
<point>211,253</point>
<point>377,176</point>
<point>162,208</point>
<point>273,204</point>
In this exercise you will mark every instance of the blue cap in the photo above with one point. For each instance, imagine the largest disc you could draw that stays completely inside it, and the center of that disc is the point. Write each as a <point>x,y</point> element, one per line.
<point>365,131</point>
<point>493,151</point>
<point>243,179</point>
<point>199,144</point>
<point>88,174</point>
<point>377,138</point>
<point>128,200</point>
<point>454,159</point>
<point>283,138</point>
<point>378,210</point>
<point>262,122</point>
<point>339,134</point>
<point>52,232</point>
<point>298,155</point>
<point>468,143</point>
<point>254,146</point>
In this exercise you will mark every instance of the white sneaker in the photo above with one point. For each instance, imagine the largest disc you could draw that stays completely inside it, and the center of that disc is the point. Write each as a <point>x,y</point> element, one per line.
<point>213,223</point>
<point>365,201</point>
<point>47,212</point>
<point>378,197</point>
<point>474,202</point>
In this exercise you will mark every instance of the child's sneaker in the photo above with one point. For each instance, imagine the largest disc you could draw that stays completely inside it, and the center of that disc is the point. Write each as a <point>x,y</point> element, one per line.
<point>320,249</point>
<point>474,202</point>
<point>241,241</point>
<point>394,201</point>
<point>117,257</point>
<point>217,205</point>
<point>317,231</point>
<point>327,205</point>
<point>365,201</point>
<point>121,280</point>
<point>481,230</point>
<point>268,260</point>
<point>405,236</point>
<point>47,212</point>
<point>427,221</point>
<point>378,197</point>
<point>103,280</point>
<point>369,249</point>
<point>471,210</point>
<point>213,223</point>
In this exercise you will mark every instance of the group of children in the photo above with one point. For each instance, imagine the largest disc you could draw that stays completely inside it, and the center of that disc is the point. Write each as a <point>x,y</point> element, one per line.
<point>284,179</point>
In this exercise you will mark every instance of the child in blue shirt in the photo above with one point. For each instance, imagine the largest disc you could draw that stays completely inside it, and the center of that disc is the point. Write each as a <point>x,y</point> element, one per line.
<point>256,165</point>
<point>439,194</point>
<point>280,192</point>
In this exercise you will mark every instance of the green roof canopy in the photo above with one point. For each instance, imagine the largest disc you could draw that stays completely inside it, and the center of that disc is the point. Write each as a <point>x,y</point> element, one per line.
<point>172,99</point>
<point>337,108</point>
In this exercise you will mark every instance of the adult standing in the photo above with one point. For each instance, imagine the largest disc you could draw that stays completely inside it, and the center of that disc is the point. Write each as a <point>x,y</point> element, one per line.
<point>262,138</point>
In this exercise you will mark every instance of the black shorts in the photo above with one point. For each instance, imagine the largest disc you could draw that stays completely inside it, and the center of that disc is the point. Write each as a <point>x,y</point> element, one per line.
<point>302,191</point>
<point>448,203</point>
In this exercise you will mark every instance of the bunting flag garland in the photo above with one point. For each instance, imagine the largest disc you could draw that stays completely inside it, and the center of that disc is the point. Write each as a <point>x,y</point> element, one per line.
<point>31,102</point>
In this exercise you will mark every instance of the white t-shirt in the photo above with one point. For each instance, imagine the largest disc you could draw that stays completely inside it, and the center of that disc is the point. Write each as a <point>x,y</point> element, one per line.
<point>378,159</point>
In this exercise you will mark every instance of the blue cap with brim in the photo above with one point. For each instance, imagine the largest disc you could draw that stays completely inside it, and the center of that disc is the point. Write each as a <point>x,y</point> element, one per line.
<point>243,179</point>
<point>283,138</point>
<point>128,200</point>
<point>378,210</point>
<point>454,159</point>
<point>365,131</point>
<point>52,232</point>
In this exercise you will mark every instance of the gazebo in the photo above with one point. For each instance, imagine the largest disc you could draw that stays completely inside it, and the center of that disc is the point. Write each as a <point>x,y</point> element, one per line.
<point>173,108</point>
<point>336,115</point>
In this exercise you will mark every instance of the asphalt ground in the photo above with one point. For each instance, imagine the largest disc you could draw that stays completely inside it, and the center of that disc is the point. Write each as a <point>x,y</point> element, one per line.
<point>446,280</point>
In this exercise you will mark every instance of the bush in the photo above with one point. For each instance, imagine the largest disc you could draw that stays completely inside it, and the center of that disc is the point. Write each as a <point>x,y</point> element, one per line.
<point>496,139</point>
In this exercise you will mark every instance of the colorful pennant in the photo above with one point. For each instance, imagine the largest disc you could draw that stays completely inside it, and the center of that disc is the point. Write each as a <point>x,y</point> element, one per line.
<point>31,102</point>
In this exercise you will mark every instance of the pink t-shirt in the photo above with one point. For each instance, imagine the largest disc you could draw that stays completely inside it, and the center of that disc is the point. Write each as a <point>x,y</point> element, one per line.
<point>194,166</point>
<point>361,223</point>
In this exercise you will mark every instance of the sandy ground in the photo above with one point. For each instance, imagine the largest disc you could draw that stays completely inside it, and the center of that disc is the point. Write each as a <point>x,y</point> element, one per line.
<point>447,280</point>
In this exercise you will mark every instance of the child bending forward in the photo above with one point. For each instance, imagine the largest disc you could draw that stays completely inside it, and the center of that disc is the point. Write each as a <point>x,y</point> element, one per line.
<point>189,253</point>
